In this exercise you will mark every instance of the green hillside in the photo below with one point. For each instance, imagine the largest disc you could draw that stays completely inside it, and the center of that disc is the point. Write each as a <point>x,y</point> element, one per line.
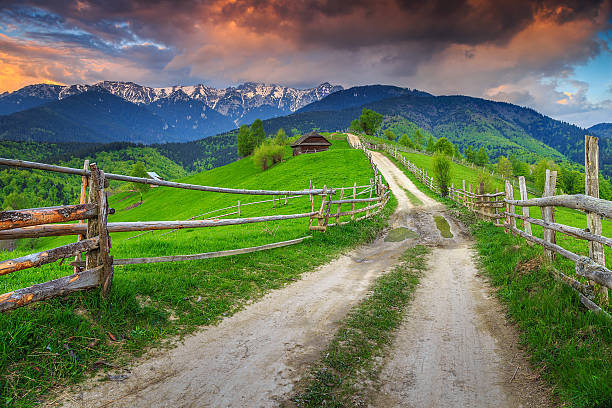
<point>150,302</point>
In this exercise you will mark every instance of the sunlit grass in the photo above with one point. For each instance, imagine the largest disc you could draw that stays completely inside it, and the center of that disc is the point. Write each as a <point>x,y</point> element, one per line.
<point>56,342</point>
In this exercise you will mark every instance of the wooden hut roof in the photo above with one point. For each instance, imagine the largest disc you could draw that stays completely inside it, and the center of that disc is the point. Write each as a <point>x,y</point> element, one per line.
<point>303,141</point>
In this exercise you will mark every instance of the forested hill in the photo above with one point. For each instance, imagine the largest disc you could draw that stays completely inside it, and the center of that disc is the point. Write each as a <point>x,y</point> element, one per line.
<point>502,128</point>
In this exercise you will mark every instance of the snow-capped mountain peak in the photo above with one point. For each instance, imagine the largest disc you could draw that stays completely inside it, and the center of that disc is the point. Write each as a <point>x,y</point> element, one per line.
<point>232,102</point>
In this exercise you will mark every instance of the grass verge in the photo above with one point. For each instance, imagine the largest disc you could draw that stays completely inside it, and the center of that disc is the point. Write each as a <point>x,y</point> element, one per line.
<point>365,334</point>
<point>570,345</point>
<point>413,199</point>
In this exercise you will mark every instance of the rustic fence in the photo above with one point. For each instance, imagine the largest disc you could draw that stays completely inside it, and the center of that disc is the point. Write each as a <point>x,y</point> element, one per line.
<point>94,236</point>
<point>500,208</point>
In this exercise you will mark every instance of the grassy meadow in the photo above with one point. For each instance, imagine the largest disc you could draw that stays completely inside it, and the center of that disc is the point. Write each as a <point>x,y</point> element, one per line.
<point>64,340</point>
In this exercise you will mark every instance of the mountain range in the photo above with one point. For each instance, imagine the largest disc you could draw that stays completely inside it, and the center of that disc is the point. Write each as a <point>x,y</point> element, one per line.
<point>124,111</point>
<point>127,112</point>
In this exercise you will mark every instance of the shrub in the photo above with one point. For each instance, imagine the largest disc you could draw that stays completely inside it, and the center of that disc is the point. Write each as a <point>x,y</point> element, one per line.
<point>268,154</point>
<point>483,178</point>
<point>406,141</point>
<point>281,137</point>
<point>442,172</point>
<point>140,171</point>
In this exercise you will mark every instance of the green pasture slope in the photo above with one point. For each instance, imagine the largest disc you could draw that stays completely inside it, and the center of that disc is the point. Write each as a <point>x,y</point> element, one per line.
<point>570,346</point>
<point>58,342</point>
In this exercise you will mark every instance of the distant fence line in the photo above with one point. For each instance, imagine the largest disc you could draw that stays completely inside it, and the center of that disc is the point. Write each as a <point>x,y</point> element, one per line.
<point>93,229</point>
<point>499,208</point>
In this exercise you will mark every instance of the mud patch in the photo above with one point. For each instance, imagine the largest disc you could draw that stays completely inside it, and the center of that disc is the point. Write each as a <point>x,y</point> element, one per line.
<point>400,234</point>
<point>443,226</point>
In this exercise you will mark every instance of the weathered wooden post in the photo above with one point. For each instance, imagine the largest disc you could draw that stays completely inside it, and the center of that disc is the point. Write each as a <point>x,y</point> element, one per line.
<point>548,213</point>
<point>368,211</point>
<point>239,212</point>
<point>83,198</point>
<point>510,221</point>
<point>339,205</point>
<point>100,257</point>
<point>591,188</point>
<point>523,191</point>
<point>354,197</point>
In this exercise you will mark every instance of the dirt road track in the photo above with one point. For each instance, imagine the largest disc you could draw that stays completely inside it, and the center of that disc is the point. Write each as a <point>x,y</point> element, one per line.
<point>253,358</point>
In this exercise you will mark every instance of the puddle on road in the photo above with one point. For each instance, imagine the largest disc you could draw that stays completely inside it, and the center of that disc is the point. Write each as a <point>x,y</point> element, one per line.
<point>400,234</point>
<point>443,226</point>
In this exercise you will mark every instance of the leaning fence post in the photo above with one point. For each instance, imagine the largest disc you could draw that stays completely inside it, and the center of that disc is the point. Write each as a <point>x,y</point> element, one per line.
<point>548,213</point>
<point>83,197</point>
<point>523,191</point>
<point>591,188</point>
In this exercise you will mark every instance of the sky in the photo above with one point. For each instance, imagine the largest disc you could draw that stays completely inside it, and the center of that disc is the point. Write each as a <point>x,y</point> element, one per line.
<point>551,55</point>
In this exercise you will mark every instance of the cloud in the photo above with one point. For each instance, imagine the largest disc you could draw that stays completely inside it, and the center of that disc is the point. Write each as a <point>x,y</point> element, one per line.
<point>521,51</point>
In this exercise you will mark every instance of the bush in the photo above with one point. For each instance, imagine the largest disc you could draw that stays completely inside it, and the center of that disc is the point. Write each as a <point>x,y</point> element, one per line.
<point>281,137</point>
<point>268,154</point>
<point>389,135</point>
<point>406,141</point>
<point>485,179</point>
<point>442,172</point>
<point>140,171</point>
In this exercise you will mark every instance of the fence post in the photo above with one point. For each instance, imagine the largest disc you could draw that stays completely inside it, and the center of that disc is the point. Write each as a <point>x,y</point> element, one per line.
<point>98,227</point>
<point>591,188</point>
<point>548,213</point>
<point>354,196</point>
<point>339,205</point>
<point>368,211</point>
<point>523,191</point>
<point>239,208</point>
<point>84,183</point>
<point>511,221</point>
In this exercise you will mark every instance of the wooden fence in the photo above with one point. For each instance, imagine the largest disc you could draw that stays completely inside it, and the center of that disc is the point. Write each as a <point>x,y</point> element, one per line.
<point>94,240</point>
<point>500,208</point>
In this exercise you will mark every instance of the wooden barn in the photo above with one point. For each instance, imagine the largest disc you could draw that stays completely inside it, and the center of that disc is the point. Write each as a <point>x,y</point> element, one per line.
<point>310,143</point>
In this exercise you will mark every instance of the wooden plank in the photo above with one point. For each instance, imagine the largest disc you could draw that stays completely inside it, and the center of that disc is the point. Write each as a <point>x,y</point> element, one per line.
<point>591,184</point>
<point>356,200</point>
<point>58,287</point>
<point>339,205</point>
<point>48,256</point>
<point>523,192</point>
<point>548,212</point>
<point>141,180</point>
<point>207,255</point>
<point>574,232</point>
<point>575,201</point>
<point>49,215</point>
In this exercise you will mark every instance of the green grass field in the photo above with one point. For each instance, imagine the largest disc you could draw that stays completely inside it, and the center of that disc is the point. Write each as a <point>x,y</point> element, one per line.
<point>57,342</point>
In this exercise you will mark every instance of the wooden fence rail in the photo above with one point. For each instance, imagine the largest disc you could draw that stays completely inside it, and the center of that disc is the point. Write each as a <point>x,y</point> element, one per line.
<point>500,208</point>
<point>94,236</point>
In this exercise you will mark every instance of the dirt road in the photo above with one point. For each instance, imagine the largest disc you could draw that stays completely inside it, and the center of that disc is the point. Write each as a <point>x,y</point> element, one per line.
<point>445,354</point>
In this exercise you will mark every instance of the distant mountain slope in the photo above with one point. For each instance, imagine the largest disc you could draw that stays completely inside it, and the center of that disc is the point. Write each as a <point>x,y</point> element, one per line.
<point>358,96</point>
<point>502,128</point>
<point>601,130</point>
